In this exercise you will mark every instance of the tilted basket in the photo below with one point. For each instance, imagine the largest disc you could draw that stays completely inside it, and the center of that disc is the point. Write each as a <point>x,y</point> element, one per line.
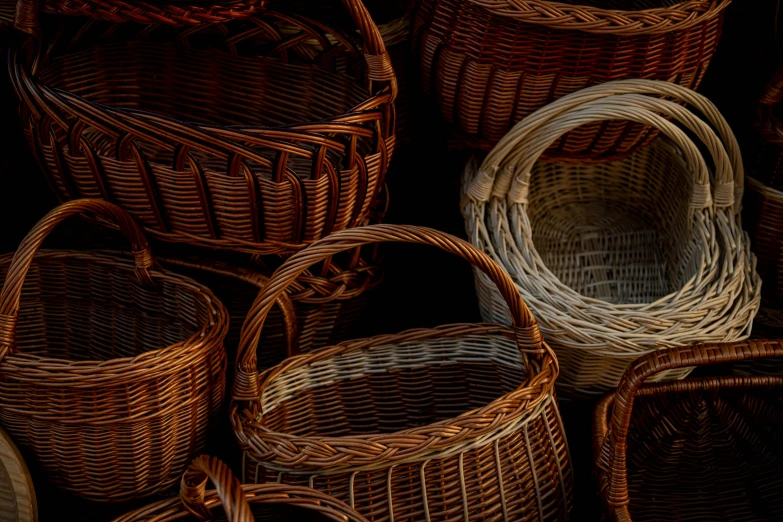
<point>259,135</point>
<point>435,424</point>
<point>110,370</point>
<point>693,450</point>
<point>624,257</point>
<point>234,502</point>
<point>491,63</point>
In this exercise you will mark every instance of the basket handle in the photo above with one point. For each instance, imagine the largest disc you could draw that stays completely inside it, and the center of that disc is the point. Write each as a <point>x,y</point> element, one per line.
<point>23,259</point>
<point>494,179</point>
<point>229,490</point>
<point>246,383</point>
<point>613,449</point>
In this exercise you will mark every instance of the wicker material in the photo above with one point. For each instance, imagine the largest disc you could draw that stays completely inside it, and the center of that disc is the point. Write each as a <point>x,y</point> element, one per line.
<point>695,450</point>
<point>490,63</point>
<point>768,167</point>
<point>17,495</point>
<point>621,257</point>
<point>225,147</point>
<point>456,422</point>
<point>234,502</point>
<point>109,370</point>
<point>322,307</point>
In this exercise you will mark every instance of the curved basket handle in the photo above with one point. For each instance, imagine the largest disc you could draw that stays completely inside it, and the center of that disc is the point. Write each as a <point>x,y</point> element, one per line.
<point>246,383</point>
<point>23,259</point>
<point>505,149</point>
<point>613,450</point>
<point>254,278</point>
<point>227,486</point>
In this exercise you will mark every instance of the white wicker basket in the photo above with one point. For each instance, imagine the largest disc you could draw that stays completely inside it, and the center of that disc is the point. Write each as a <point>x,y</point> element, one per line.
<point>624,257</point>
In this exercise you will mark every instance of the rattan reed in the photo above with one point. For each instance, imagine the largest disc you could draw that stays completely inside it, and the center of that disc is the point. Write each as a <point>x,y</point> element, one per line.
<point>455,422</point>
<point>695,450</point>
<point>490,63</point>
<point>110,370</point>
<point>234,502</point>
<point>259,135</point>
<point>619,258</point>
<point>17,494</point>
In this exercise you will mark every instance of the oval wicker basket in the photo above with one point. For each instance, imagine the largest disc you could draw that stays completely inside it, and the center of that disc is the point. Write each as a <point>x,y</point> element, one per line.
<point>259,135</point>
<point>268,502</point>
<point>17,494</point>
<point>624,257</point>
<point>110,371</point>
<point>693,450</point>
<point>455,421</point>
<point>490,63</point>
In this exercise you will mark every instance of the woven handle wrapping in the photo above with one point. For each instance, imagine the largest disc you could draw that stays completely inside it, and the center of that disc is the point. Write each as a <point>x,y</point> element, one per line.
<point>23,259</point>
<point>590,19</point>
<point>246,383</point>
<point>506,170</point>
<point>227,486</point>
<point>613,449</point>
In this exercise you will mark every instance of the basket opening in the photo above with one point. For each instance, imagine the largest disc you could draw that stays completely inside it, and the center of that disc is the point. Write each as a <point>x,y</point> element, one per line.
<point>710,452</point>
<point>390,388</point>
<point>81,310</point>
<point>620,231</point>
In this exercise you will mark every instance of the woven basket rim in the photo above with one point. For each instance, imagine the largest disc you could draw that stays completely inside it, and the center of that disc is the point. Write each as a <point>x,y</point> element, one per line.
<point>591,19</point>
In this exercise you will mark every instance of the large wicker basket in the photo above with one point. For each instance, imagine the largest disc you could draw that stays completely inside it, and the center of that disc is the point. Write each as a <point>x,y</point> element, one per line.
<point>110,371</point>
<point>624,257</point>
<point>457,421</point>
<point>490,63</point>
<point>258,135</point>
<point>695,450</point>
<point>233,502</point>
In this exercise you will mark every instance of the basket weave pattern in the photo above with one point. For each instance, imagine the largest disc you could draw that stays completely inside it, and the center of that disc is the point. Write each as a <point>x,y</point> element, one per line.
<point>491,63</point>
<point>227,148</point>
<point>698,449</point>
<point>110,373</point>
<point>456,419</point>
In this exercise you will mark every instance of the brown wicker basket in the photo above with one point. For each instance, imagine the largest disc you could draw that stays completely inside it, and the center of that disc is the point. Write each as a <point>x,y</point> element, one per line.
<point>768,167</point>
<point>110,371</point>
<point>269,502</point>
<point>490,63</point>
<point>259,135</point>
<point>693,450</point>
<point>17,494</point>
<point>455,422</point>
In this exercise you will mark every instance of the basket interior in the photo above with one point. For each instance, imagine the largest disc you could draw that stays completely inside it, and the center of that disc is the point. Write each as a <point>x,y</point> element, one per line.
<point>79,310</point>
<point>715,453</point>
<point>390,388</point>
<point>620,231</point>
<point>224,75</point>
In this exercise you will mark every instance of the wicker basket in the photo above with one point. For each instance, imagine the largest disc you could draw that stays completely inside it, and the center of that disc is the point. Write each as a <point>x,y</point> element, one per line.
<point>768,167</point>
<point>453,422</point>
<point>17,494</point>
<point>491,63</point>
<point>259,135</point>
<point>694,450</point>
<point>269,502</point>
<point>624,257</point>
<point>110,371</point>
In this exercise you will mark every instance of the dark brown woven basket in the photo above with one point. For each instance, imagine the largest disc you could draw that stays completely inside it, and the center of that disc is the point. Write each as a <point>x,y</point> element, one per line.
<point>457,422</point>
<point>693,450</point>
<point>233,502</point>
<point>259,135</point>
<point>490,63</point>
<point>768,167</point>
<point>110,371</point>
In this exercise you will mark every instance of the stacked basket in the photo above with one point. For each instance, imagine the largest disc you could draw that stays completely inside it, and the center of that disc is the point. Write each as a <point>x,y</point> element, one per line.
<point>624,257</point>
<point>490,63</point>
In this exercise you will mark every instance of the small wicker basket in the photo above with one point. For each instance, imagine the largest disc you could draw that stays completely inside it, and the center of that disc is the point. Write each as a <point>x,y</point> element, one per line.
<point>456,421</point>
<point>110,371</point>
<point>269,502</point>
<point>490,63</point>
<point>693,450</point>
